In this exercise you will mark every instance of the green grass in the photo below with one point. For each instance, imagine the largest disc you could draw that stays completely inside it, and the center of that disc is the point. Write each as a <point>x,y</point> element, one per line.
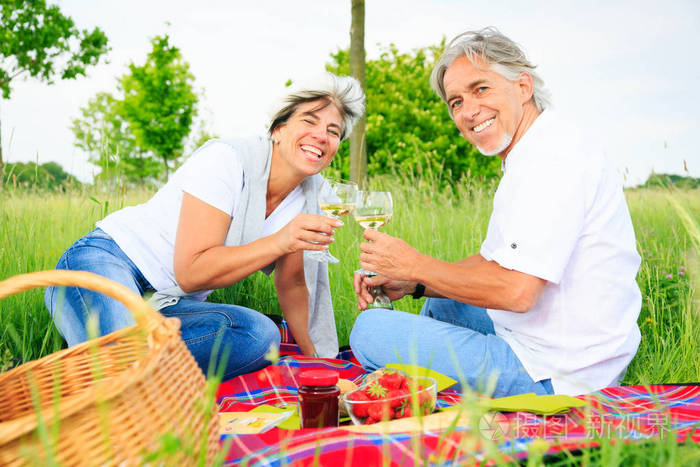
<point>35,229</point>
<point>670,316</point>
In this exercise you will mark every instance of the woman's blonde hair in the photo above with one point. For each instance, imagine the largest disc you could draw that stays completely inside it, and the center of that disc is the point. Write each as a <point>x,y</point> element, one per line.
<point>344,92</point>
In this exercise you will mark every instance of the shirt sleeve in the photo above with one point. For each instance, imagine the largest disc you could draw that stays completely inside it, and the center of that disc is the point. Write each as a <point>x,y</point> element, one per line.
<point>537,221</point>
<point>214,175</point>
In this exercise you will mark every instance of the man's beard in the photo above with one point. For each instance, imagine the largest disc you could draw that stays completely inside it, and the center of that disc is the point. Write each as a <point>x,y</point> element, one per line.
<point>505,142</point>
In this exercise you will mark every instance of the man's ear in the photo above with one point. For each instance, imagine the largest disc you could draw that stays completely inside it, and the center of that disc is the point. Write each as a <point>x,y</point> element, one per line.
<point>526,87</point>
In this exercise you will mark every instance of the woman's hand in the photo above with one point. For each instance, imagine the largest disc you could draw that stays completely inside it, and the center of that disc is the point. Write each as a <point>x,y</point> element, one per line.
<point>306,232</point>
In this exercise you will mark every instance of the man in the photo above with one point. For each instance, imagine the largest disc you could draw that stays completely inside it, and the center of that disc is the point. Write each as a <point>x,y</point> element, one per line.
<point>550,303</point>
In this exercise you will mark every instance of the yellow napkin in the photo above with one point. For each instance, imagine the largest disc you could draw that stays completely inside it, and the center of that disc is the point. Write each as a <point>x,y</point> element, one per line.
<point>443,382</point>
<point>292,423</point>
<point>541,405</point>
<point>245,423</point>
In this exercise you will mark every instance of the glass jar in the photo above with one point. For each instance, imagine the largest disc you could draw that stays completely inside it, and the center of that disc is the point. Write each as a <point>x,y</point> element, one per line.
<point>318,398</point>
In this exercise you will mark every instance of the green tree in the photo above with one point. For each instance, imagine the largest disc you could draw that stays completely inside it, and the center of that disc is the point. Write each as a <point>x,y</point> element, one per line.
<point>200,135</point>
<point>671,180</point>
<point>104,134</point>
<point>159,101</point>
<point>408,126</point>
<point>38,40</point>
<point>49,175</point>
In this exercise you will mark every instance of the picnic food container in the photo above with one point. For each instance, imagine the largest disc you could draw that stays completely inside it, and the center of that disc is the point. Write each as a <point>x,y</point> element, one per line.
<point>318,398</point>
<point>110,400</point>
<point>390,396</point>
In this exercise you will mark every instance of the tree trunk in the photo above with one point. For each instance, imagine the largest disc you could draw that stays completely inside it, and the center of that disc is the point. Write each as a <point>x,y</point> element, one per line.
<point>358,148</point>
<point>167,169</point>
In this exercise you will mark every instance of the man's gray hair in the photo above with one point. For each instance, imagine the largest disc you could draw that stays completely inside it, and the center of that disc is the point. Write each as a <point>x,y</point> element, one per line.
<point>344,92</point>
<point>497,52</point>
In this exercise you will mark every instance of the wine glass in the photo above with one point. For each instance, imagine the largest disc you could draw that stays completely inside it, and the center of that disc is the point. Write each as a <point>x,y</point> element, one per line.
<point>373,209</point>
<point>337,199</point>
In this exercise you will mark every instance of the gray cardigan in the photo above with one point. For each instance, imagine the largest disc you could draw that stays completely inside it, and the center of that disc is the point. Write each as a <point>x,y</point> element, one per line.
<point>255,155</point>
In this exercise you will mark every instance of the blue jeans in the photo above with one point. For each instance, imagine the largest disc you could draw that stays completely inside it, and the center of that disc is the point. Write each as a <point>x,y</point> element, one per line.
<point>452,338</point>
<point>240,336</point>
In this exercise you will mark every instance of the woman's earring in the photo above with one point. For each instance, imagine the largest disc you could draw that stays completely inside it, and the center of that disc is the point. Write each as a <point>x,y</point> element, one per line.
<point>275,140</point>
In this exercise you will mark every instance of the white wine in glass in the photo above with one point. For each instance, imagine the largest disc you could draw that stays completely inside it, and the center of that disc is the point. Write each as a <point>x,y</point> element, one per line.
<point>337,210</point>
<point>373,209</point>
<point>337,199</point>
<point>373,221</point>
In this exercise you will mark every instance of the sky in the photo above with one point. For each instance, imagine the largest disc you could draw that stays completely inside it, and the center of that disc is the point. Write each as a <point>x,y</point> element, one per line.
<point>625,72</point>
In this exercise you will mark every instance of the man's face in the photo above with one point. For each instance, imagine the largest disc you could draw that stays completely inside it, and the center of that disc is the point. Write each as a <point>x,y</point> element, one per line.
<point>486,107</point>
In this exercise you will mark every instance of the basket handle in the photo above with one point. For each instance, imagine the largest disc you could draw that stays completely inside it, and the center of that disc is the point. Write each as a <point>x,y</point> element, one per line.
<point>144,315</point>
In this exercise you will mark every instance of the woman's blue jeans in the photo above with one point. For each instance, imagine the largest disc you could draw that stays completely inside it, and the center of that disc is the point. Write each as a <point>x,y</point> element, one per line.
<point>216,334</point>
<point>452,338</point>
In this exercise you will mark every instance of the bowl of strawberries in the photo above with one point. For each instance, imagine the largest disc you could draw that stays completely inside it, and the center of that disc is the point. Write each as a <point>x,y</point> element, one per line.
<point>389,395</point>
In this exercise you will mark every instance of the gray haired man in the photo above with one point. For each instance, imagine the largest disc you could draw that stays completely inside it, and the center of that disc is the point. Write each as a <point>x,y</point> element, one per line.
<point>550,303</point>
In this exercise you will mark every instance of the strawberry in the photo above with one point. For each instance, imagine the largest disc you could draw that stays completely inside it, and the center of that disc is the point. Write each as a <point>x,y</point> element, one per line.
<point>424,396</point>
<point>376,391</point>
<point>396,397</point>
<point>403,412</point>
<point>360,410</point>
<point>380,411</point>
<point>391,380</point>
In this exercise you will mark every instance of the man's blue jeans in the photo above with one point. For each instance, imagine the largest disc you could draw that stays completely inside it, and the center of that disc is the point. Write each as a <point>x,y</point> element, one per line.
<point>452,338</point>
<point>242,335</point>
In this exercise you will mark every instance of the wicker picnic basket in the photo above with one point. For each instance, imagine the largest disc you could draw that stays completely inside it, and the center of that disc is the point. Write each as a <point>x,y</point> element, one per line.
<point>109,400</point>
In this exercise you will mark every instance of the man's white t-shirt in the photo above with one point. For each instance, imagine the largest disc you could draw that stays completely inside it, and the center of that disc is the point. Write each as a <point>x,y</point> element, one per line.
<point>560,214</point>
<point>213,174</point>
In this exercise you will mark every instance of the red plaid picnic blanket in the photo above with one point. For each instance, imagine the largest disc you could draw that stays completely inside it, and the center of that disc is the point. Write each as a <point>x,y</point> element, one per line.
<point>634,413</point>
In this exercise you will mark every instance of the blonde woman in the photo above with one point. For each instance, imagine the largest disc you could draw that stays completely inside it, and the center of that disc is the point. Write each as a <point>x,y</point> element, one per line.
<point>233,208</point>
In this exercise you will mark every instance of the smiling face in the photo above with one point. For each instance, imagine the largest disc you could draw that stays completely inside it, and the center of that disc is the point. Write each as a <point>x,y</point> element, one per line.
<point>309,139</point>
<point>489,110</point>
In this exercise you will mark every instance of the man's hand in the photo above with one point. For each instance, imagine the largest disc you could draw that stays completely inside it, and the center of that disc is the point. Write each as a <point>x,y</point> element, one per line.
<point>306,232</point>
<point>393,289</point>
<point>388,256</point>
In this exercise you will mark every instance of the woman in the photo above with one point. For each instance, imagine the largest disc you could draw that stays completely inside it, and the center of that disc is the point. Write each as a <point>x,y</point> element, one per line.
<point>233,208</point>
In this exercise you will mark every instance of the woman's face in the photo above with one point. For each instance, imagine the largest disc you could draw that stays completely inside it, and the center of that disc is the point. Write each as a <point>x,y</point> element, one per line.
<point>309,140</point>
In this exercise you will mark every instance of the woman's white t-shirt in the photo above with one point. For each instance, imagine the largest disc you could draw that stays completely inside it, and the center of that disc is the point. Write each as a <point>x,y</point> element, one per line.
<point>213,174</point>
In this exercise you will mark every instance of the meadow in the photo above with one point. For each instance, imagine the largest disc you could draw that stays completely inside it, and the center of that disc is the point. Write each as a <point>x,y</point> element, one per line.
<point>448,223</point>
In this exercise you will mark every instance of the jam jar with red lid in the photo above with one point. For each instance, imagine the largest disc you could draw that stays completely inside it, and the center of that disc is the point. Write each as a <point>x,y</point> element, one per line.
<point>318,398</point>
